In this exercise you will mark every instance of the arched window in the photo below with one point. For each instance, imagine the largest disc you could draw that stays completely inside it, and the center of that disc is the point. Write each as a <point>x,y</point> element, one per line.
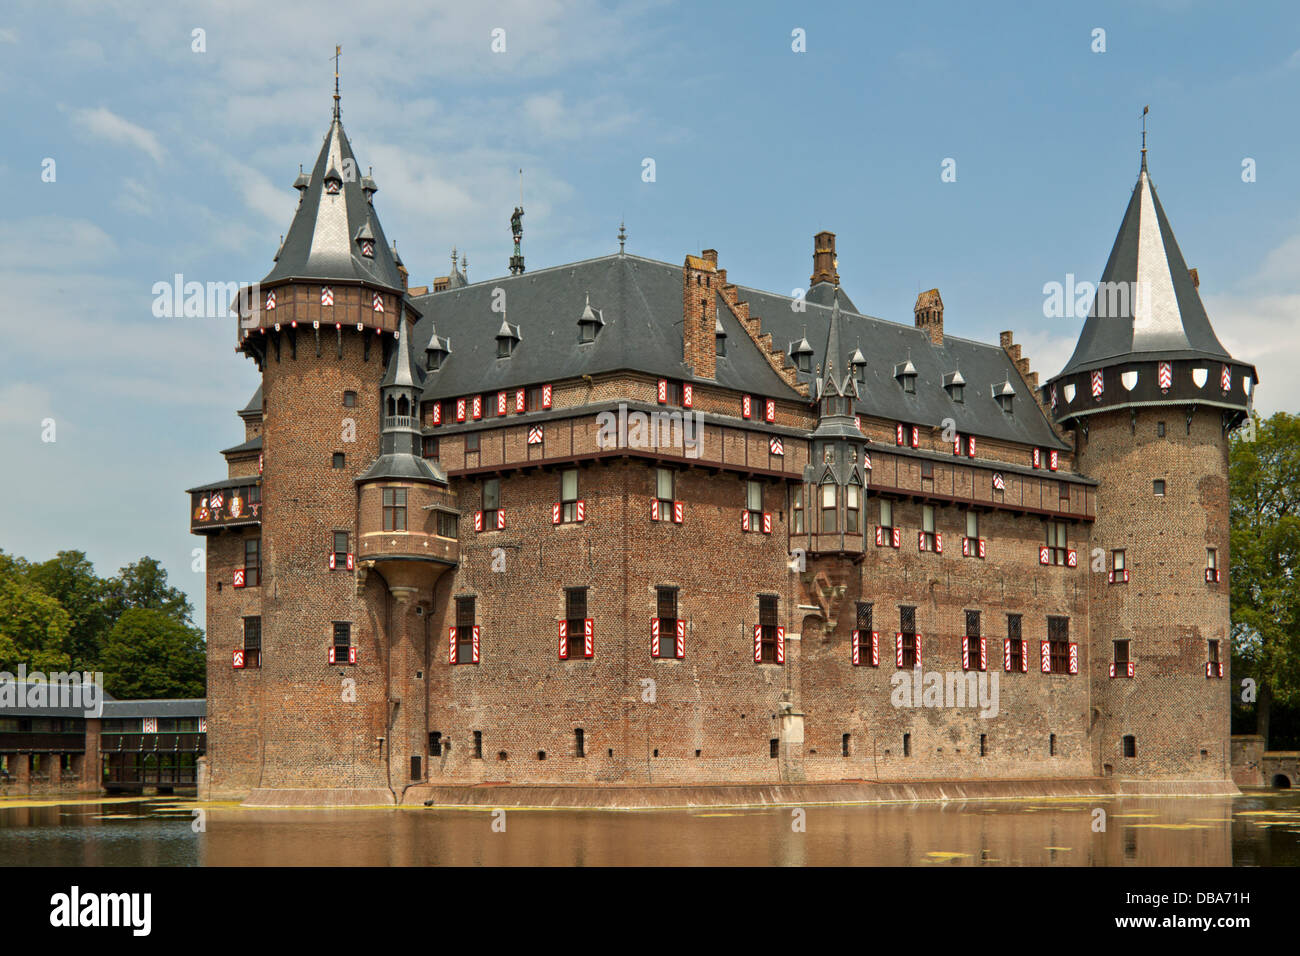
<point>403,406</point>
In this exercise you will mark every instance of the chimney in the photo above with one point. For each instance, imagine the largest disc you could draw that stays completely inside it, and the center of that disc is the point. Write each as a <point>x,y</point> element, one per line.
<point>701,284</point>
<point>1196,278</point>
<point>824,259</point>
<point>929,315</point>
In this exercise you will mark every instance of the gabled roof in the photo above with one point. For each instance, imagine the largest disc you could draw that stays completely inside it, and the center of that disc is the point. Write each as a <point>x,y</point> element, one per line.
<point>641,303</point>
<point>322,239</point>
<point>1157,312</point>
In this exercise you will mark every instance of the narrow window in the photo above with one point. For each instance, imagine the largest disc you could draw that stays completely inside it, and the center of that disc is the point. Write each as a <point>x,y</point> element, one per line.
<point>430,447</point>
<point>579,749</point>
<point>1211,559</point>
<point>754,504</point>
<point>664,490</point>
<point>774,748</point>
<point>984,745</point>
<point>1214,652</point>
<point>796,509</point>
<point>342,642</point>
<point>852,508</point>
<point>472,442</point>
<point>338,459</point>
<point>886,514</point>
<point>1160,429</point>
<point>415,768</point>
<point>575,613</point>
<point>864,617</point>
<point>767,619</point>
<point>349,399</point>
<point>1130,746</point>
<point>252,562</point>
<point>1117,561</point>
<point>252,642</point>
<point>927,526</point>
<point>907,745</point>
<point>465,630</point>
<point>1057,542</point>
<point>1058,639</point>
<point>907,625</point>
<point>1017,642</point>
<point>1121,658</point>
<point>972,525</point>
<point>666,610</point>
<point>1158,487</point>
<point>435,743</point>
<point>340,550</point>
<point>974,659</point>
<point>569,495</point>
<point>927,471</point>
<point>394,504</point>
<point>830,507</point>
<point>1063,490</point>
<point>844,746</point>
<point>491,501</point>
<point>1051,745</point>
<point>478,745</point>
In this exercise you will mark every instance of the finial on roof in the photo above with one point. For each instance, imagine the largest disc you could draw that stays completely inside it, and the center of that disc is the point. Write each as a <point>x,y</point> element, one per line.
<point>1145,110</point>
<point>464,265</point>
<point>338,51</point>
<point>622,236</point>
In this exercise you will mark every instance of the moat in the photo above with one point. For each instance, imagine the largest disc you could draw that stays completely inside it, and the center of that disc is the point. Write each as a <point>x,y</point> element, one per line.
<point>1255,829</point>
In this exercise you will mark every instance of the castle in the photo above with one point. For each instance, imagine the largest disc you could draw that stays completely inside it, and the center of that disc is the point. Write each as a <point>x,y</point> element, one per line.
<point>624,522</point>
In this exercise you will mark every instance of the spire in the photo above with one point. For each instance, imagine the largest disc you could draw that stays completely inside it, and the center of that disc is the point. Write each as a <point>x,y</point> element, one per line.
<point>622,236</point>
<point>1147,305</point>
<point>1145,110</point>
<point>335,233</point>
<point>338,113</point>
<point>399,373</point>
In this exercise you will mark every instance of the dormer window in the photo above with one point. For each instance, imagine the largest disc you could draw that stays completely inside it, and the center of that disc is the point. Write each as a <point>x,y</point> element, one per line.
<point>507,339</point>
<point>858,363</point>
<point>906,375</point>
<point>1006,396</point>
<point>333,181</point>
<point>720,337</point>
<point>437,351</point>
<point>802,354</point>
<point>590,323</point>
<point>955,386</point>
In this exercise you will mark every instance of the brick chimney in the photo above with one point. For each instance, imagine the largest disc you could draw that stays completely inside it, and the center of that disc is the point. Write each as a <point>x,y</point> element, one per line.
<point>929,315</point>
<point>700,286</point>
<point>824,259</point>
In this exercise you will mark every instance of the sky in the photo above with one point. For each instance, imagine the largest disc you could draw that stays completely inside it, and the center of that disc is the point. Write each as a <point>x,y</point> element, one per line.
<point>134,149</point>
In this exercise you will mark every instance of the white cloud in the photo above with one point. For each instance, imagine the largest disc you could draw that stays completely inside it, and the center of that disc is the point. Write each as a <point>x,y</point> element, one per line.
<point>54,244</point>
<point>105,124</point>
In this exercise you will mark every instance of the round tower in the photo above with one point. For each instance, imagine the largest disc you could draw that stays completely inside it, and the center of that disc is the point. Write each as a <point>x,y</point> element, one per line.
<point>328,320</point>
<point>1150,395</point>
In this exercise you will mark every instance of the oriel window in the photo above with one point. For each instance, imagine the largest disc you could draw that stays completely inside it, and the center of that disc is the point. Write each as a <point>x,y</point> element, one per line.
<point>394,504</point>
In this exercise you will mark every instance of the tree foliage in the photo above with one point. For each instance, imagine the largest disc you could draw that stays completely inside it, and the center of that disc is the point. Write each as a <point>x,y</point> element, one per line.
<point>149,653</point>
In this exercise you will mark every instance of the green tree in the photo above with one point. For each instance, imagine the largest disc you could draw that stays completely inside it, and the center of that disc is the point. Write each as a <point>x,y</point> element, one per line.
<point>143,584</point>
<point>70,579</point>
<point>33,627</point>
<point>1264,477</point>
<point>149,654</point>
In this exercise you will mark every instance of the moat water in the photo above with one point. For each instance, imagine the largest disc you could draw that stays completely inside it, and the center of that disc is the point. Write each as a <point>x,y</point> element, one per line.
<point>1258,829</point>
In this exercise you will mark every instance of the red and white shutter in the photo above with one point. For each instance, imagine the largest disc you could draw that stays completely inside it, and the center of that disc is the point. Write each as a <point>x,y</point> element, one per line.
<point>501,518</point>
<point>880,536</point>
<point>746,406</point>
<point>654,509</point>
<point>679,512</point>
<point>956,445</point>
<point>938,542</point>
<point>582,510</point>
<point>350,563</point>
<point>474,645</point>
<point>502,403</point>
<point>970,446</point>
<point>898,434</point>
<point>478,521</point>
<point>237,659</point>
<point>1037,458</point>
<point>654,637</point>
<point>1130,668</point>
<point>1046,649</point>
<point>564,640</point>
<point>898,537</point>
<point>920,541</point>
<point>984,653</point>
<point>377,302</point>
<point>916,436</point>
<point>437,413</point>
<point>898,649</point>
<point>451,645</point>
<point>520,396</point>
<point>681,640</point>
<point>1006,654</point>
<point>758,643</point>
<point>239,577</point>
<point>1072,558</point>
<point>965,653</point>
<point>688,395</point>
<point>965,547</point>
<point>546,396</point>
<point>555,513</point>
<point>1024,656</point>
<point>857,637</point>
<point>478,407</point>
<point>780,644</point>
<point>1043,554</point>
<point>332,561</point>
<point>981,547</point>
<point>875,648</point>
<point>661,393</point>
<point>1074,658</point>
<point>1112,668</point>
<point>588,637</point>
<point>918,650</point>
<point>767,522</point>
<point>1053,459</point>
<point>769,410</point>
<point>460,409</point>
<point>744,520</point>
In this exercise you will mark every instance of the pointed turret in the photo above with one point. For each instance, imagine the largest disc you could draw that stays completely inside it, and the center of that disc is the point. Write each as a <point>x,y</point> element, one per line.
<point>1147,337</point>
<point>335,225</point>
<point>400,440</point>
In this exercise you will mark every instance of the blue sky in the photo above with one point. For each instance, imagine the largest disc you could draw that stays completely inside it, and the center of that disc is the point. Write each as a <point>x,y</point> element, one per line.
<point>173,161</point>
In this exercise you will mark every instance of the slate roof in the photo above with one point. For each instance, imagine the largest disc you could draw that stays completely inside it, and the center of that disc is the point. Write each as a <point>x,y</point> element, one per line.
<point>641,302</point>
<point>225,483</point>
<point>253,444</point>
<point>322,239</point>
<point>180,707</point>
<point>1171,322</point>
<point>254,407</point>
<point>23,710</point>
<point>404,467</point>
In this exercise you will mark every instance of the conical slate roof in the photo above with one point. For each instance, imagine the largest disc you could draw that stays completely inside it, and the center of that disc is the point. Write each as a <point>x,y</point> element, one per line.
<point>837,376</point>
<point>324,238</point>
<point>400,367</point>
<point>1155,310</point>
